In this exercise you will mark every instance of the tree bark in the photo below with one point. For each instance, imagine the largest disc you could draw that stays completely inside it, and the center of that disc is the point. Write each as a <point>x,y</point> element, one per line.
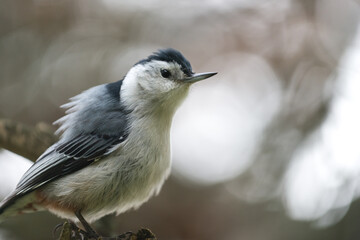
<point>24,140</point>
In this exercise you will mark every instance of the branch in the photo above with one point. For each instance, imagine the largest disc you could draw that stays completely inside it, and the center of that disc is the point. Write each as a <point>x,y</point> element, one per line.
<point>27,141</point>
<point>71,232</point>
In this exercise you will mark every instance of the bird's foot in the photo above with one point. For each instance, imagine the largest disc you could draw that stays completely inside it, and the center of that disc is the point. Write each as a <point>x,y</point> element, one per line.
<point>70,231</point>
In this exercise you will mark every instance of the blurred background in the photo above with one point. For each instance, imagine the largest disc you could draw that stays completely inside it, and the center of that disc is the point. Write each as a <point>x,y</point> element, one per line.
<point>267,149</point>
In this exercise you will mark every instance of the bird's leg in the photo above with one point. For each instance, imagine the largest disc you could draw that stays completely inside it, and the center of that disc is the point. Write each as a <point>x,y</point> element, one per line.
<point>89,230</point>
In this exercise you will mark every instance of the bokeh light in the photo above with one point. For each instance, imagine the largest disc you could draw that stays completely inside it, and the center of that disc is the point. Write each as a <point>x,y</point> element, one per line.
<point>266,149</point>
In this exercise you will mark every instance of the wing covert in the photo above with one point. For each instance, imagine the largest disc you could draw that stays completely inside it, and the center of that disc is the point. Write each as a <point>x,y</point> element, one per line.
<point>95,124</point>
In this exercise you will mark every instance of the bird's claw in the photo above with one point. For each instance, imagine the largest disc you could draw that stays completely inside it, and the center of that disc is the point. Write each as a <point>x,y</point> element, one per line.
<point>70,230</point>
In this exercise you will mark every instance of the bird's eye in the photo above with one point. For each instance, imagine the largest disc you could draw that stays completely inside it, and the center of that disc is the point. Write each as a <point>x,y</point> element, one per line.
<point>165,73</point>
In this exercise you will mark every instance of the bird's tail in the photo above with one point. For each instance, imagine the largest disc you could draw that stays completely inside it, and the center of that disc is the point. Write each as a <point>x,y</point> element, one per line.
<point>15,205</point>
<point>2,218</point>
<point>5,211</point>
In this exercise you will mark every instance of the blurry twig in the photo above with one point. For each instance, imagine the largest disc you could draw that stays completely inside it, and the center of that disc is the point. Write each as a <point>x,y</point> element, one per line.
<point>27,141</point>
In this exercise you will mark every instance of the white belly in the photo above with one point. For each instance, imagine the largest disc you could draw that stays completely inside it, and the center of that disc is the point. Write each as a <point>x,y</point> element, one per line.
<point>115,184</point>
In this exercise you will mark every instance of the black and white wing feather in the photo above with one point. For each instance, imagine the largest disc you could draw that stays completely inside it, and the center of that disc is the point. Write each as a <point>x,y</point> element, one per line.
<point>66,158</point>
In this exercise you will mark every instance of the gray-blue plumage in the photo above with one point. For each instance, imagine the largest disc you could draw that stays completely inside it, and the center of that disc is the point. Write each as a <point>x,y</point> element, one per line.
<point>80,146</point>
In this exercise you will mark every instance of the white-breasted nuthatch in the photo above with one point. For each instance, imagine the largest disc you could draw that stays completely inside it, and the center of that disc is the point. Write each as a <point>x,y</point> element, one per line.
<point>114,150</point>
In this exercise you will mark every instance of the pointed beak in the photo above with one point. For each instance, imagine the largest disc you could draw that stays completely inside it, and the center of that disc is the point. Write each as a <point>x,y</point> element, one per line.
<point>198,77</point>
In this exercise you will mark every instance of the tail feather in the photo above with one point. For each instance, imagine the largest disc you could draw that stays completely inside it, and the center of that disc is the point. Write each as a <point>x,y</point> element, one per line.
<point>5,207</point>
<point>2,217</point>
<point>15,205</point>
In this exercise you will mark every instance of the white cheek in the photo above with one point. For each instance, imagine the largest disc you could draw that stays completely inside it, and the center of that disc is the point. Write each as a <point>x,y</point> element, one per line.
<point>129,87</point>
<point>163,85</point>
<point>140,83</point>
<point>154,85</point>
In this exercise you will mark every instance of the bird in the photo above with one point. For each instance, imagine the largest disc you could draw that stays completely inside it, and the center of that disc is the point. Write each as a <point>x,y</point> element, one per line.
<point>113,152</point>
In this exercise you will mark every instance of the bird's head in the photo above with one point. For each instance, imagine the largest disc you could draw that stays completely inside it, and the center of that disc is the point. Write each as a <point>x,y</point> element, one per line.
<point>162,78</point>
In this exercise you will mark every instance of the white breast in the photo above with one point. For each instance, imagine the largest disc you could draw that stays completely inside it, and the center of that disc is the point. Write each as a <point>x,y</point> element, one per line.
<point>124,180</point>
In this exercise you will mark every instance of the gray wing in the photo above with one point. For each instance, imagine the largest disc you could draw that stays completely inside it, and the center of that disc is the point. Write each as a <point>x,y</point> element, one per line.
<point>95,124</point>
<point>66,158</point>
